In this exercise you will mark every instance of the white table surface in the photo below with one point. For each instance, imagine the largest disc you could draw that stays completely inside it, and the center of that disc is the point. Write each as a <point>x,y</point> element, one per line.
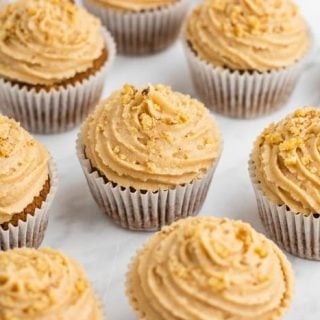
<point>80,229</point>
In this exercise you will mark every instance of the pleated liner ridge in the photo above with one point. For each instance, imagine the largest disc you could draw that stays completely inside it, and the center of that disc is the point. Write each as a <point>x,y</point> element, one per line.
<point>55,111</point>
<point>143,32</point>
<point>30,233</point>
<point>145,210</point>
<point>295,232</point>
<point>242,94</point>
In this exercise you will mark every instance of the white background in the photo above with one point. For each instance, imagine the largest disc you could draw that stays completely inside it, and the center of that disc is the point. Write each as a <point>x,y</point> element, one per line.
<point>81,230</point>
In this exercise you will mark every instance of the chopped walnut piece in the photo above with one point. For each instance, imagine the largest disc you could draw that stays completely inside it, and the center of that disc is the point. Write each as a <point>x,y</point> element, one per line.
<point>290,144</point>
<point>147,121</point>
<point>261,251</point>
<point>273,138</point>
<point>290,161</point>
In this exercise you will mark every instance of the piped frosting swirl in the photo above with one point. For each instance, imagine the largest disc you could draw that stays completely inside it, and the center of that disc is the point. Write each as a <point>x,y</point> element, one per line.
<point>253,35</point>
<point>137,5</point>
<point>209,268</point>
<point>45,41</point>
<point>286,159</point>
<point>151,138</point>
<point>23,168</point>
<point>44,285</point>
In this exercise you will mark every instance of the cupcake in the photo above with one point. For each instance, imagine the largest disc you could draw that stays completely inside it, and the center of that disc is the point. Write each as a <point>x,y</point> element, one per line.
<point>143,26</point>
<point>28,182</point>
<point>45,284</point>
<point>210,268</point>
<point>52,65</point>
<point>285,173</point>
<point>245,57</point>
<point>149,155</point>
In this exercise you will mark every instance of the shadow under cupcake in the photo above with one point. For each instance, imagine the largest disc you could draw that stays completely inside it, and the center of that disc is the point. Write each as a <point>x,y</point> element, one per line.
<point>149,155</point>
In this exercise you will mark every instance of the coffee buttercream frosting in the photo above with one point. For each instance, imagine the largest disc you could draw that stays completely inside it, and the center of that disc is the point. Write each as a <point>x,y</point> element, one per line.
<point>151,138</point>
<point>46,41</point>
<point>45,285</point>
<point>253,35</point>
<point>137,5</point>
<point>208,268</point>
<point>23,168</point>
<point>286,161</point>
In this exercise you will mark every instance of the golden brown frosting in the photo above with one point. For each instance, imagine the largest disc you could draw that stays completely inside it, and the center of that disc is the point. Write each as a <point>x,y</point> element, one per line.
<point>45,41</point>
<point>137,5</point>
<point>287,161</point>
<point>151,138</point>
<point>44,285</point>
<point>209,268</point>
<point>23,168</point>
<point>258,35</point>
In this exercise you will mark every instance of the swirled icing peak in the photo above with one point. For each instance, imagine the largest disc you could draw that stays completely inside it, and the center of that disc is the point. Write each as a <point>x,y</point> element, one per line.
<point>253,35</point>
<point>44,285</point>
<point>137,5</point>
<point>209,268</point>
<point>45,41</point>
<point>287,161</point>
<point>23,168</point>
<point>151,138</point>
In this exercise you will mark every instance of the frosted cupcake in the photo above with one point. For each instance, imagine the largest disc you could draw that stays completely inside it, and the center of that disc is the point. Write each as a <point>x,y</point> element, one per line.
<point>149,155</point>
<point>285,172</point>
<point>245,57</point>
<point>52,65</point>
<point>209,268</point>
<point>143,26</point>
<point>43,285</point>
<point>28,182</point>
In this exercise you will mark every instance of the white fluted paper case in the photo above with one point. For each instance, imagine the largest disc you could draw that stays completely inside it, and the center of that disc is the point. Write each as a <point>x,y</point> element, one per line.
<point>242,94</point>
<point>144,32</point>
<point>30,233</point>
<point>55,111</point>
<point>145,210</point>
<point>295,232</point>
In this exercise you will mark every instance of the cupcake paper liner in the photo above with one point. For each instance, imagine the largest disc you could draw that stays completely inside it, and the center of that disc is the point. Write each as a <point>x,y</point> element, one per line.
<point>30,233</point>
<point>242,94</point>
<point>55,111</point>
<point>143,32</point>
<point>145,210</point>
<point>295,232</point>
